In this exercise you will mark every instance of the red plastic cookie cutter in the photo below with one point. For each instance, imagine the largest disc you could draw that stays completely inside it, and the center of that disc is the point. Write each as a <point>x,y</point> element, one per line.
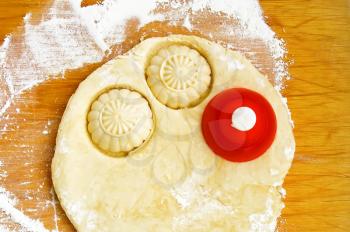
<point>229,142</point>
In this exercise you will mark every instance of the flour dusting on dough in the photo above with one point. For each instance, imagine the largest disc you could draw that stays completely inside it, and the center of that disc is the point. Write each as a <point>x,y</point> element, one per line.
<point>69,36</point>
<point>192,197</point>
<point>259,222</point>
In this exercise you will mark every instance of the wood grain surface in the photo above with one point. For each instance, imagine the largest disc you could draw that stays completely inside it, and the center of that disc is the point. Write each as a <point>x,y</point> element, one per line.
<point>317,34</point>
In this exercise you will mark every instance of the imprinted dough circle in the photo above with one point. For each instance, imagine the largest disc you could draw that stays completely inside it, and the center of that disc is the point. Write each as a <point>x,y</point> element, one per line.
<point>173,182</point>
<point>120,121</point>
<point>179,76</point>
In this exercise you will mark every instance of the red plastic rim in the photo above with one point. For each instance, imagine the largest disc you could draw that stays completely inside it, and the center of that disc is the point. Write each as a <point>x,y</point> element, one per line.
<point>230,143</point>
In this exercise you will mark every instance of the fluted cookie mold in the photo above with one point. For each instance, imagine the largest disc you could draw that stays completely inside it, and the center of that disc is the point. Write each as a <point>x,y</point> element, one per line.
<point>179,76</point>
<point>120,121</point>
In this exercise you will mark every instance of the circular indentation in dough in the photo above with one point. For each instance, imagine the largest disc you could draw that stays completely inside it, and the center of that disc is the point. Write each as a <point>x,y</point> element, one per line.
<point>120,121</point>
<point>243,119</point>
<point>169,168</point>
<point>179,76</point>
<point>202,161</point>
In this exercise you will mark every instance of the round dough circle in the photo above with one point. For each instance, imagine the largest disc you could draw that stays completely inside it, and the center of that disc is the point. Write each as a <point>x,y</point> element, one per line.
<point>120,121</point>
<point>173,182</point>
<point>179,76</point>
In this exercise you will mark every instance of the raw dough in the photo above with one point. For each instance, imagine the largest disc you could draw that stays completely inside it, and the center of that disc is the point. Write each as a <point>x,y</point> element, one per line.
<point>120,121</point>
<point>173,182</point>
<point>178,76</point>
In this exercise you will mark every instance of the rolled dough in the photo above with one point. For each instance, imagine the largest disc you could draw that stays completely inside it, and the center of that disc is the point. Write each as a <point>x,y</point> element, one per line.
<point>173,181</point>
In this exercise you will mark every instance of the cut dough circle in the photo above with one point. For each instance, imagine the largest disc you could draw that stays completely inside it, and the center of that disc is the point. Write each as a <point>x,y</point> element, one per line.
<point>179,76</point>
<point>172,181</point>
<point>120,121</point>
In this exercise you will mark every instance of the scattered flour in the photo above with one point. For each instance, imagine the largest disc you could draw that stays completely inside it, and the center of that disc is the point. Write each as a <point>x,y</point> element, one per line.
<point>81,214</point>
<point>5,99</point>
<point>69,36</point>
<point>3,229</point>
<point>4,47</point>
<point>232,64</point>
<point>259,222</point>
<point>7,205</point>
<point>196,202</point>
<point>187,23</point>
<point>289,152</point>
<point>189,191</point>
<point>54,203</point>
<point>47,129</point>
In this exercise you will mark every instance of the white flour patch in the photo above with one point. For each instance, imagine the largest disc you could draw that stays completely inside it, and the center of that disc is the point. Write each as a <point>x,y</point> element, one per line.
<point>188,192</point>
<point>264,221</point>
<point>69,36</point>
<point>60,38</point>
<point>283,192</point>
<point>289,152</point>
<point>205,209</point>
<point>106,22</point>
<point>80,212</point>
<point>3,229</point>
<point>4,47</point>
<point>5,96</point>
<point>7,206</point>
<point>3,173</point>
<point>196,201</point>
<point>187,23</point>
<point>54,203</point>
<point>232,64</point>
<point>47,128</point>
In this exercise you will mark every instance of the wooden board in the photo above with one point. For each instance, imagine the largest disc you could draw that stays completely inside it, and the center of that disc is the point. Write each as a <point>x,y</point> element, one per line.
<point>317,33</point>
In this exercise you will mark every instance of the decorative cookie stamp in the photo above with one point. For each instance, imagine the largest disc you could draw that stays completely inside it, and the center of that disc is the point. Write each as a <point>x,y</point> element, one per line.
<point>239,125</point>
<point>179,76</point>
<point>120,121</point>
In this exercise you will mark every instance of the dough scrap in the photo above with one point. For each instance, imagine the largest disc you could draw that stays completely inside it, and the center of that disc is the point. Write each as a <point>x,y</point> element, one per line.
<point>173,182</point>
